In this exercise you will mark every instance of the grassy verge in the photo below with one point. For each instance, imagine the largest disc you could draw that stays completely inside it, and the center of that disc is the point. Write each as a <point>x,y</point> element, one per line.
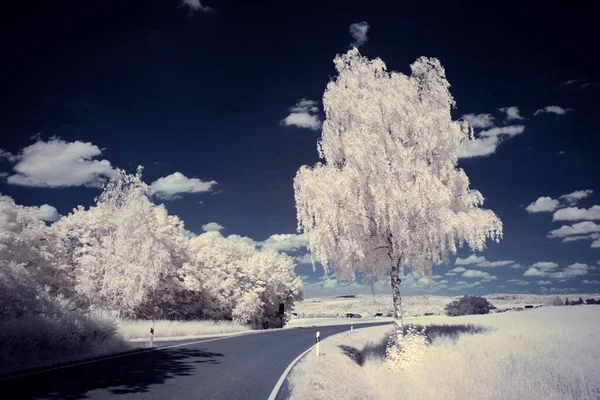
<point>543,354</point>
<point>138,329</point>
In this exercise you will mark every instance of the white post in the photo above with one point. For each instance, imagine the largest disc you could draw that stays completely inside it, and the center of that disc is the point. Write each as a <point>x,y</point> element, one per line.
<point>152,336</point>
<point>351,326</point>
<point>318,339</point>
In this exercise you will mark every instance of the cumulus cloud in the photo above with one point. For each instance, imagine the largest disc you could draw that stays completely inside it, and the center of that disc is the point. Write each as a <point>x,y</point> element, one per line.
<point>544,282</point>
<point>516,266</point>
<point>8,156</point>
<point>545,265</point>
<point>479,120</point>
<point>480,261</point>
<point>49,213</point>
<point>534,272</point>
<point>303,259</point>
<point>511,131</point>
<point>592,236</point>
<point>458,269</point>
<point>472,259</point>
<point>470,273</point>
<point>577,195</point>
<point>580,228</point>
<point>195,5</point>
<point>512,113</point>
<point>573,270</point>
<point>574,214</point>
<point>588,282</point>
<point>285,242</point>
<point>552,110</point>
<point>595,244</point>
<point>57,163</point>
<point>303,115</point>
<point>478,147</point>
<point>170,187</point>
<point>543,204</point>
<point>212,227</point>
<point>520,282</point>
<point>359,30</point>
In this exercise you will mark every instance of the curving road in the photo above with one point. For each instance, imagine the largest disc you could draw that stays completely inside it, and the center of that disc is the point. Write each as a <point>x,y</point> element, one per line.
<point>239,367</point>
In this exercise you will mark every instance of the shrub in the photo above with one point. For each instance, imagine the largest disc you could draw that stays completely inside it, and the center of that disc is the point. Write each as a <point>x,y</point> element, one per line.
<point>468,305</point>
<point>413,346</point>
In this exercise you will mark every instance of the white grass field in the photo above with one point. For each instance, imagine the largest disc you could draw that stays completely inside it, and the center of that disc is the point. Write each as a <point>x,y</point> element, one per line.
<point>163,329</point>
<point>367,305</point>
<point>545,353</point>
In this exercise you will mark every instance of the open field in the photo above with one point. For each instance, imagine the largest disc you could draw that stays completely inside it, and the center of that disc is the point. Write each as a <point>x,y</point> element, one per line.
<point>367,305</point>
<point>547,353</point>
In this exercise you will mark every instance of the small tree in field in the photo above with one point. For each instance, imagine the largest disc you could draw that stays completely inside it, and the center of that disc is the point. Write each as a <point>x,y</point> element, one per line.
<point>389,192</point>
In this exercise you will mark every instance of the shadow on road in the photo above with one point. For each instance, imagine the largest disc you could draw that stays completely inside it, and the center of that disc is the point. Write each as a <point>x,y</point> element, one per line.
<point>123,375</point>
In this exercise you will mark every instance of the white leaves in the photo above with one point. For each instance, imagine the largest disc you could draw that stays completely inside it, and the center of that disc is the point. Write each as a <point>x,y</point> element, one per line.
<point>389,187</point>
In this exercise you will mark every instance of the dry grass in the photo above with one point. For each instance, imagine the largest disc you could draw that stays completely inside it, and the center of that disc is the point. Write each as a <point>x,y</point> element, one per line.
<point>140,329</point>
<point>547,353</point>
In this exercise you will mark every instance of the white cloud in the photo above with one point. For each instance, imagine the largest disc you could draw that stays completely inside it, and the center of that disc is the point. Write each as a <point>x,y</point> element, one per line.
<point>504,130</point>
<point>592,236</point>
<point>534,272</point>
<point>544,282</point>
<point>303,115</point>
<point>472,259</point>
<point>470,273</point>
<point>458,269</point>
<point>545,265</point>
<point>479,120</point>
<point>520,282</point>
<point>552,110</point>
<point>359,30</point>
<point>212,227</point>
<point>580,228</point>
<point>573,270</point>
<point>169,187</point>
<point>303,259</point>
<point>478,147</point>
<point>285,242</point>
<point>479,261</point>
<point>512,113</point>
<point>516,266</point>
<point>574,214</point>
<point>595,244</point>
<point>48,213</point>
<point>569,82</point>
<point>189,234</point>
<point>8,156</point>
<point>195,5</point>
<point>577,195</point>
<point>57,163</point>
<point>588,282</point>
<point>449,274</point>
<point>543,204</point>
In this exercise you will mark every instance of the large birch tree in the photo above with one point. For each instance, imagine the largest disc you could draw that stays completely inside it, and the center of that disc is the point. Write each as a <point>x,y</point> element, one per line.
<point>389,192</point>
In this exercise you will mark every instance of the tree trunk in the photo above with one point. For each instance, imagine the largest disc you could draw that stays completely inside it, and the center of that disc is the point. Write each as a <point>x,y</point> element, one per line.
<point>398,323</point>
<point>373,285</point>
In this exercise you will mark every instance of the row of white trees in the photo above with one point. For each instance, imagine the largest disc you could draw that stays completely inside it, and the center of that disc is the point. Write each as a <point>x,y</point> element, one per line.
<point>128,256</point>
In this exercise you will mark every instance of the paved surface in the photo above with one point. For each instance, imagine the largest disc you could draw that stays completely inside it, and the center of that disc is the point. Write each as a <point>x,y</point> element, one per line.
<point>241,367</point>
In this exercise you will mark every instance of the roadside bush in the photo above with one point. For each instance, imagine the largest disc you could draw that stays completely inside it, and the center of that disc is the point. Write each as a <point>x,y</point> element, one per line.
<point>468,305</point>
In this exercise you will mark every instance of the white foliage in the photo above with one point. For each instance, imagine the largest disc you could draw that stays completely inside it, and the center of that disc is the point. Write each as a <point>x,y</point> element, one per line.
<point>389,186</point>
<point>412,348</point>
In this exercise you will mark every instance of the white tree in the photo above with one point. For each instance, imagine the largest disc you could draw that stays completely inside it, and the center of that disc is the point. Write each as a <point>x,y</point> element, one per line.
<point>389,193</point>
<point>127,250</point>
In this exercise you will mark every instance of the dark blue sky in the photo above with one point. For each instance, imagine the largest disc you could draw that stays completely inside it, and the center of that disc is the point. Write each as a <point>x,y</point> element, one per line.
<point>203,93</point>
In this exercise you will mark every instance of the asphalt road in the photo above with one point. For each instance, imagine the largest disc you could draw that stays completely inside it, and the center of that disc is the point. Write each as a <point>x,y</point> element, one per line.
<point>239,367</point>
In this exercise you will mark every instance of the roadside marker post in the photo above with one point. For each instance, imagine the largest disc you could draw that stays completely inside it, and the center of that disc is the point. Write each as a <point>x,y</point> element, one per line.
<point>152,337</point>
<point>318,339</point>
<point>351,326</point>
